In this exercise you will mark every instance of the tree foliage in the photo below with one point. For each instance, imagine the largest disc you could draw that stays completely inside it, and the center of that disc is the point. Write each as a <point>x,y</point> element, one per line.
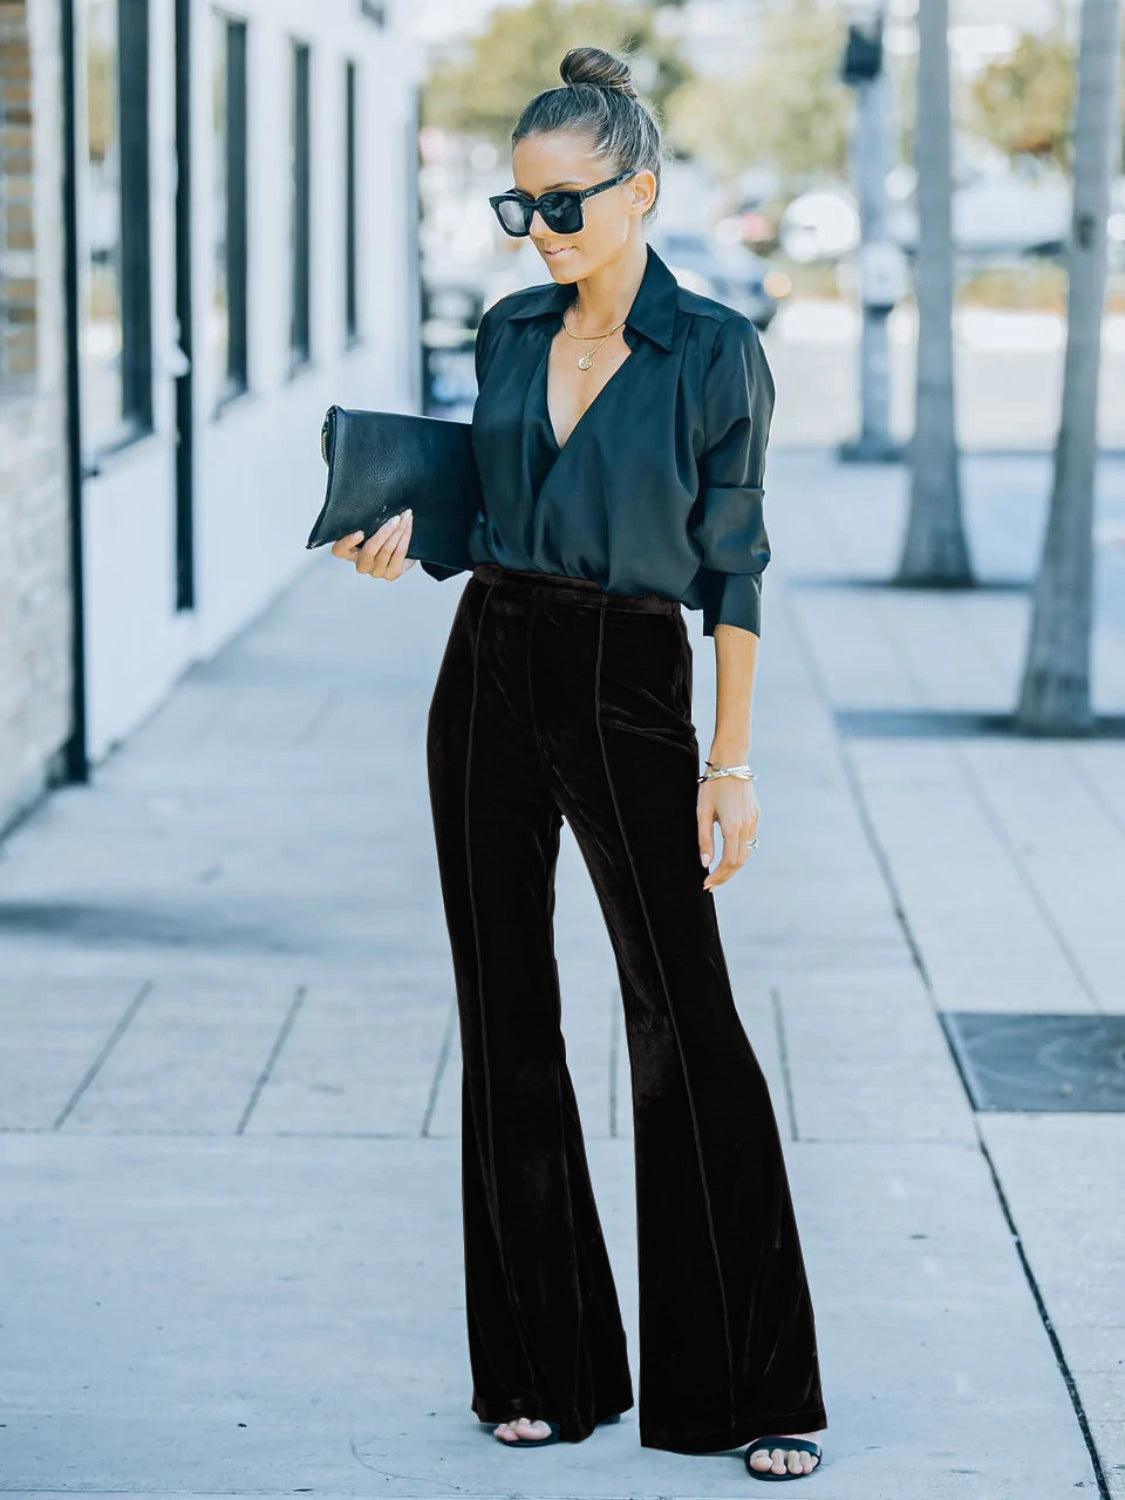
<point>1023,103</point>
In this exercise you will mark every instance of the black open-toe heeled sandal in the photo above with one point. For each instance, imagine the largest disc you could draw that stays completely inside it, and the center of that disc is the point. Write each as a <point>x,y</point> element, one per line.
<point>543,1442</point>
<point>802,1445</point>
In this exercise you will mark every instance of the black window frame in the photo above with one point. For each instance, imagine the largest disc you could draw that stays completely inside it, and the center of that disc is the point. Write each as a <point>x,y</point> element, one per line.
<point>136,418</point>
<point>236,376</point>
<point>300,340</point>
<point>352,332</point>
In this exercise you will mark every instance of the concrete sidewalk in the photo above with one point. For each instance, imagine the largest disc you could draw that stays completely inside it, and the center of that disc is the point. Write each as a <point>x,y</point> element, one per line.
<point>229,1089</point>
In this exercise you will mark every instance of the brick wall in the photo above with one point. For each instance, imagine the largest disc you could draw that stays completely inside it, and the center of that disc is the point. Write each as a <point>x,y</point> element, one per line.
<point>35,646</point>
<point>17,286</point>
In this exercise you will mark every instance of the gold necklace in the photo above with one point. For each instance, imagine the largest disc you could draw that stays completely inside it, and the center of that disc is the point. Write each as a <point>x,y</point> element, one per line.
<point>587,359</point>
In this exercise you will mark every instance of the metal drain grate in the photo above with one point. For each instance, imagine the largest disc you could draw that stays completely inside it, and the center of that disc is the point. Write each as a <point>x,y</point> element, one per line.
<point>1031,1063</point>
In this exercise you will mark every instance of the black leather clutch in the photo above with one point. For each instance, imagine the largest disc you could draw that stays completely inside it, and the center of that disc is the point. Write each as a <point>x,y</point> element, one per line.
<point>380,462</point>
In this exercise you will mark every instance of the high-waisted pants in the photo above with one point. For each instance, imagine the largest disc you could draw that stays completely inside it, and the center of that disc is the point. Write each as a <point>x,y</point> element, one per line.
<point>556,699</point>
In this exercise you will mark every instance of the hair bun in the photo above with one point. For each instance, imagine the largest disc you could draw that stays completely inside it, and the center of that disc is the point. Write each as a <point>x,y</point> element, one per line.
<point>601,69</point>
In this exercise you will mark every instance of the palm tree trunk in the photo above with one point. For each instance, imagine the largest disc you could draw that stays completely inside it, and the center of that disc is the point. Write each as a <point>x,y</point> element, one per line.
<point>935,550</point>
<point>1055,693</point>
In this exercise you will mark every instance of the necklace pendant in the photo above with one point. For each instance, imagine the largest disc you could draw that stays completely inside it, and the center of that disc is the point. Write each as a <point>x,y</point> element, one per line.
<point>584,361</point>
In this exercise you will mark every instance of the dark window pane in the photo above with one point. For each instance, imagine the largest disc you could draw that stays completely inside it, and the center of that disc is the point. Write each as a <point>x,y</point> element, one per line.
<point>220,301</point>
<point>103,333</point>
<point>351,307</point>
<point>116,334</point>
<point>228,303</point>
<point>299,216</point>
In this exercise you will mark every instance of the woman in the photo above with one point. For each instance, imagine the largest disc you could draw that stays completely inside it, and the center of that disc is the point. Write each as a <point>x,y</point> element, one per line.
<point>620,430</point>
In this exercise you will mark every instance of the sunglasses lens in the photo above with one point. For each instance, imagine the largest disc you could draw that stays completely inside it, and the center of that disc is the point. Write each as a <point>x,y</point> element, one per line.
<point>561,212</point>
<point>513,215</point>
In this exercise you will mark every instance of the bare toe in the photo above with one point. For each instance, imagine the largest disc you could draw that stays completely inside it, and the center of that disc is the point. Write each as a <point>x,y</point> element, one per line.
<point>521,1427</point>
<point>532,1428</point>
<point>783,1461</point>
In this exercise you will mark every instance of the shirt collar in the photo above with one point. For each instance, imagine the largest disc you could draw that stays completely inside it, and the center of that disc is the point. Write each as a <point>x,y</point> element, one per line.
<point>653,312</point>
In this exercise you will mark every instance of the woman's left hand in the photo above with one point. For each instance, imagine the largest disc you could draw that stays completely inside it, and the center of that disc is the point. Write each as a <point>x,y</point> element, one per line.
<point>731,802</point>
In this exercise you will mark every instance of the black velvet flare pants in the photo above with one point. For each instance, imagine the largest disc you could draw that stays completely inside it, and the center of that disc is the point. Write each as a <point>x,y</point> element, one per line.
<point>556,699</point>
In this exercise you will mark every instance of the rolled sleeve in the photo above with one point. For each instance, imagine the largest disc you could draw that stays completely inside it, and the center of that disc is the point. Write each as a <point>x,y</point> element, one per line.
<point>729,528</point>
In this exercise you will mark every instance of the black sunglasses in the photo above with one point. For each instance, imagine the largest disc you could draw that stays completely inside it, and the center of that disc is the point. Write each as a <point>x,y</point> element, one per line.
<point>561,209</point>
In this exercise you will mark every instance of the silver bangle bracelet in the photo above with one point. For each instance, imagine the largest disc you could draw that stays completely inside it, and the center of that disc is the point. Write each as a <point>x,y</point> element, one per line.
<point>744,773</point>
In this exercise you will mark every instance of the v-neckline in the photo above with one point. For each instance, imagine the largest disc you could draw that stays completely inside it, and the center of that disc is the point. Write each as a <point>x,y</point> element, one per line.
<point>545,390</point>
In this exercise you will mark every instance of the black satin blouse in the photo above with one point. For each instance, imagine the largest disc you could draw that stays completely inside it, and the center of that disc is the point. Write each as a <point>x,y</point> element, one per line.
<point>659,487</point>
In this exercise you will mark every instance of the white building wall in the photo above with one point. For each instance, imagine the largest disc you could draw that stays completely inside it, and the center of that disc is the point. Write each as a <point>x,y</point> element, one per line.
<point>259,478</point>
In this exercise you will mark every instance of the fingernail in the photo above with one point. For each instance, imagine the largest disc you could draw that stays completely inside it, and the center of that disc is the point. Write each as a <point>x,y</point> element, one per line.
<point>355,536</point>
<point>408,512</point>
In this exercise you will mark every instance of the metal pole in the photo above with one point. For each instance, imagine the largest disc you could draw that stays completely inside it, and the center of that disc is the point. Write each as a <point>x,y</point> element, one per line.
<point>864,71</point>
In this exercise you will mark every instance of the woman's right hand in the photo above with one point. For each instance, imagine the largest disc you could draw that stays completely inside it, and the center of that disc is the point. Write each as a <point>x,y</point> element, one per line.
<point>383,554</point>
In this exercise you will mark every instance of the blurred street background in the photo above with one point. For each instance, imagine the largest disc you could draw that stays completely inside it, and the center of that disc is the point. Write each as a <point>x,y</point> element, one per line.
<point>230,1240</point>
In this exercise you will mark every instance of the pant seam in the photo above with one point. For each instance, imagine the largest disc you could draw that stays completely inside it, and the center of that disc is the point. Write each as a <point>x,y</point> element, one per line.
<point>671,1013</point>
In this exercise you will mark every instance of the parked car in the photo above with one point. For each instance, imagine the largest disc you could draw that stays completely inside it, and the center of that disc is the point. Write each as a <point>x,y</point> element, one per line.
<point>998,214</point>
<point>451,295</point>
<point>821,224</point>
<point>731,273</point>
<point>453,300</point>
